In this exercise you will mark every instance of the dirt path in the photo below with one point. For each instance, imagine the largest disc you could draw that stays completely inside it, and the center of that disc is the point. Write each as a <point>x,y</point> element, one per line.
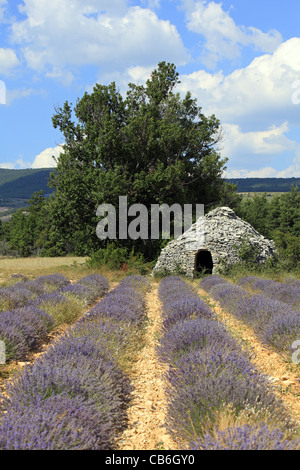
<point>146,430</point>
<point>283,374</point>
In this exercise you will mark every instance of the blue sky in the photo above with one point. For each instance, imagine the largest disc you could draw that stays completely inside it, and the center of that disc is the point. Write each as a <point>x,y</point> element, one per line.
<point>240,59</point>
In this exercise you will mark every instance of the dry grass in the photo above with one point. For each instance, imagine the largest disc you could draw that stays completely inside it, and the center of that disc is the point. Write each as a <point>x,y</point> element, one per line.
<point>73,267</point>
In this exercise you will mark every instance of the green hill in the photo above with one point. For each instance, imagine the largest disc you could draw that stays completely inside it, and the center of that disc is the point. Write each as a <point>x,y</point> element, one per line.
<point>264,185</point>
<point>21,184</point>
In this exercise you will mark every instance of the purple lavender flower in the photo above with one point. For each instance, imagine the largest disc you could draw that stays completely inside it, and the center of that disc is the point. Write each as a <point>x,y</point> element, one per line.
<point>247,437</point>
<point>124,303</point>
<point>15,296</point>
<point>83,292</point>
<point>208,369</point>
<point>54,280</point>
<point>275,322</point>
<point>210,281</point>
<point>185,308</point>
<point>23,329</point>
<point>95,280</point>
<point>59,422</point>
<point>283,291</point>
<point>75,396</point>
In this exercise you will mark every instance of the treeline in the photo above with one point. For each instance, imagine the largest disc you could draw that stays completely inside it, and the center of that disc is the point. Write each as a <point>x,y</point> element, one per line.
<point>277,218</point>
<point>33,231</point>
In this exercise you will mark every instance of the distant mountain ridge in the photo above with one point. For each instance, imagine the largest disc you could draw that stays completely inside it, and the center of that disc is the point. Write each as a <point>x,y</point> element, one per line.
<point>264,185</point>
<point>21,184</point>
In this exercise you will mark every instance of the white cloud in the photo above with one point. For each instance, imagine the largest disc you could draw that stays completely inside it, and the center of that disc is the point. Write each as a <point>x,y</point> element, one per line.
<point>257,109</point>
<point>223,38</point>
<point>266,172</point>
<point>42,160</point>
<point>3,4</point>
<point>138,74</point>
<point>45,158</point>
<point>257,95</point>
<point>2,92</point>
<point>8,61</point>
<point>272,141</point>
<point>64,76</point>
<point>252,150</point>
<point>15,94</point>
<point>19,163</point>
<point>58,35</point>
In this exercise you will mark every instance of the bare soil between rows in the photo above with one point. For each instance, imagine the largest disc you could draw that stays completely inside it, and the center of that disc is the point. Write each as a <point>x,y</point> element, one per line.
<point>146,428</point>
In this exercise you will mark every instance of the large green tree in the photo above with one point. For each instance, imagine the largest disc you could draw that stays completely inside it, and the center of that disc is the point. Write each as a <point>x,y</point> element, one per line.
<point>151,145</point>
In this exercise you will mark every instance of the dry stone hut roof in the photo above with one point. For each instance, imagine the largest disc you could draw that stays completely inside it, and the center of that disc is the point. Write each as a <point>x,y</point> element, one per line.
<point>212,238</point>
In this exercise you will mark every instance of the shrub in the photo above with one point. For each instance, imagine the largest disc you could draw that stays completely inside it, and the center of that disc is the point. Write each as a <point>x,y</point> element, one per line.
<point>24,329</point>
<point>247,437</point>
<point>62,308</point>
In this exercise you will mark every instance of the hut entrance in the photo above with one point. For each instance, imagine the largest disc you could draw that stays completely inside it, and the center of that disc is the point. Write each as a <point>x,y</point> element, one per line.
<point>203,262</point>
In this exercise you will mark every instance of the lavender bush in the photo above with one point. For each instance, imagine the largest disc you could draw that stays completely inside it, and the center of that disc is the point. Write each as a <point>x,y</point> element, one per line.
<point>124,303</point>
<point>15,296</point>
<point>53,281</point>
<point>96,281</point>
<point>185,303</point>
<point>88,289</point>
<point>50,301</point>
<point>23,329</point>
<point>210,281</point>
<point>247,437</point>
<point>25,291</point>
<point>59,422</point>
<point>186,308</point>
<point>193,334</point>
<point>63,308</point>
<point>84,293</point>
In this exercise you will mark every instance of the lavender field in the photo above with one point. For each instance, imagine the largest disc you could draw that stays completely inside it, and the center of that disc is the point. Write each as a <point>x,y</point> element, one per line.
<point>217,399</point>
<point>79,393</point>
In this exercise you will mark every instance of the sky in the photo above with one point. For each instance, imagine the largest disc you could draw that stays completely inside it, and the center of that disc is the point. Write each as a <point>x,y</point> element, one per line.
<point>239,58</point>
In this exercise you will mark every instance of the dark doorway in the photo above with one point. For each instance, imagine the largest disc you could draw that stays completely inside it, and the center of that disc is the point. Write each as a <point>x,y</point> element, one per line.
<point>203,262</point>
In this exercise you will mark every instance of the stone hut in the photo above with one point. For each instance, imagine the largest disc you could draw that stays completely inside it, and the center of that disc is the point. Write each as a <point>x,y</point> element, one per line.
<point>212,238</point>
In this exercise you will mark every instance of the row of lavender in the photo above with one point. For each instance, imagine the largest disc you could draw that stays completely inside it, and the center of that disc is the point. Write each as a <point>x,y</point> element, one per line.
<point>287,292</point>
<point>276,323</point>
<point>75,396</point>
<point>24,291</point>
<point>38,306</point>
<point>216,397</point>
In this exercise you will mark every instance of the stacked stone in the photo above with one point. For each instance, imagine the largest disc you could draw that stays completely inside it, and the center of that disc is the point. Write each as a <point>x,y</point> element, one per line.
<point>221,233</point>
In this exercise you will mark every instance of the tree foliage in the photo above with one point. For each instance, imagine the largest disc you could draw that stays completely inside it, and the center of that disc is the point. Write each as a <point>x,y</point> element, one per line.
<point>152,146</point>
<point>277,219</point>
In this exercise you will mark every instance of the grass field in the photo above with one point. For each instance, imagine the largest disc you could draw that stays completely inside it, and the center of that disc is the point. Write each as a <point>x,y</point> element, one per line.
<point>72,267</point>
<point>269,195</point>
